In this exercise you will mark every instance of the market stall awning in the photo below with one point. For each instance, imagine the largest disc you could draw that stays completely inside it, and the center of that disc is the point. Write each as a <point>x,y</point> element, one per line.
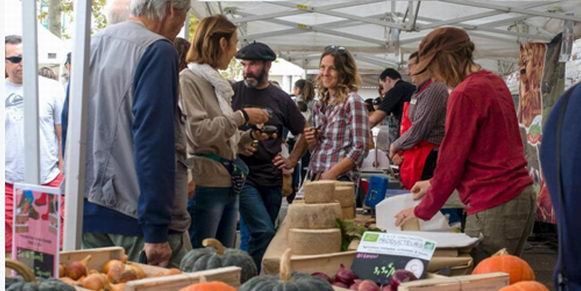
<point>382,33</point>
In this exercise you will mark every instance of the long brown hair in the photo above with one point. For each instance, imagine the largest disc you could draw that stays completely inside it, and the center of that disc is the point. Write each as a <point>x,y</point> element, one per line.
<point>306,88</point>
<point>448,53</point>
<point>349,78</point>
<point>205,47</point>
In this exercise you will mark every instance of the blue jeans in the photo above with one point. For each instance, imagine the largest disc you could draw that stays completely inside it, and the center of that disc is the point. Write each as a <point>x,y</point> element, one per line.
<point>259,208</point>
<point>214,212</point>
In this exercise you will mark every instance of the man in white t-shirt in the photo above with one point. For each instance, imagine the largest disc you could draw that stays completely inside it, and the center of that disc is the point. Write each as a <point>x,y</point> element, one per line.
<point>50,103</point>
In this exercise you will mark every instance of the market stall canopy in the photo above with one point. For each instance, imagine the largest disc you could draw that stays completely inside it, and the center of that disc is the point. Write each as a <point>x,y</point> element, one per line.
<point>382,33</point>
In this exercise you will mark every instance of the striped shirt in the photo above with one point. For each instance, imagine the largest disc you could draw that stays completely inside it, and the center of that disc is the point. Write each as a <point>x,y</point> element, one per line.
<point>343,132</point>
<point>427,112</point>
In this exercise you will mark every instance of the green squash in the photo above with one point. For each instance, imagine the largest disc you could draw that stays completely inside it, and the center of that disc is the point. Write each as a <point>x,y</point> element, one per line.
<point>286,281</point>
<point>40,285</point>
<point>214,256</point>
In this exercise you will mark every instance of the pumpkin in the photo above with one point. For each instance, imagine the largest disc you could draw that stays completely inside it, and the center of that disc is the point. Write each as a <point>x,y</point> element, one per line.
<point>41,285</point>
<point>214,255</point>
<point>525,286</point>
<point>209,286</point>
<point>517,268</point>
<point>286,280</point>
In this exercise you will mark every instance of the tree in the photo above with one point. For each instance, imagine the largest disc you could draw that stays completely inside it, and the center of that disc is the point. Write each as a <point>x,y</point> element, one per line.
<point>59,8</point>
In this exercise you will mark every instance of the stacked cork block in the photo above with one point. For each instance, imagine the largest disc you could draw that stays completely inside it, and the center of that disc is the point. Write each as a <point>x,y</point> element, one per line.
<point>312,222</point>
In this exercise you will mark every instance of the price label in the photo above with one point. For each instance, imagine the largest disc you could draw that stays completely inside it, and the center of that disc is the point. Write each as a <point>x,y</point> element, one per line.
<point>379,255</point>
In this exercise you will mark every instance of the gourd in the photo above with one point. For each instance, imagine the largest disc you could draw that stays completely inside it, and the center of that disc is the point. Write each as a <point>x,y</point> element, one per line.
<point>214,255</point>
<point>517,268</point>
<point>17,284</point>
<point>525,286</point>
<point>286,281</point>
<point>209,286</point>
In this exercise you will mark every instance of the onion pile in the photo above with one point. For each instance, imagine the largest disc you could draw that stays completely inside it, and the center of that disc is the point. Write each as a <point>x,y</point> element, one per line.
<point>345,278</point>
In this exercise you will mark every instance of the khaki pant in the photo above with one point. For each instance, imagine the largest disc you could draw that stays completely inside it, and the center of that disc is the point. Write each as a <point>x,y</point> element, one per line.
<point>505,226</point>
<point>133,245</point>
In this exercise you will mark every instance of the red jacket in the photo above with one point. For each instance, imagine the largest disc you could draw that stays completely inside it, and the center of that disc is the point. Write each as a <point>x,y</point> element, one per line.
<point>482,153</point>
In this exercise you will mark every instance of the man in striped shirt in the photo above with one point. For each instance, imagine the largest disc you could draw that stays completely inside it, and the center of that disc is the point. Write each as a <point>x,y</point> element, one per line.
<point>416,150</point>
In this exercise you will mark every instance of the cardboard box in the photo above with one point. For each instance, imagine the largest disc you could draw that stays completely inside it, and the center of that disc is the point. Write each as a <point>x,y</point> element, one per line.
<point>484,282</point>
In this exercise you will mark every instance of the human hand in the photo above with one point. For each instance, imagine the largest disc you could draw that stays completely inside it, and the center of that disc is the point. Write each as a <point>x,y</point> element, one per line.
<point>420,189</point>
<point>248,149</point>
<point>282,163</point>
<point>158,254</point>
<point>328,175</point>
<point>397,159</point>
<point>311,137</point>
<point>256,115</point>
<point>403,216</point>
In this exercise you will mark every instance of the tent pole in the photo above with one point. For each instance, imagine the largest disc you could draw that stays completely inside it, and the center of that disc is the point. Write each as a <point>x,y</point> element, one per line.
<point>30,84</point>
<point>77,130</point>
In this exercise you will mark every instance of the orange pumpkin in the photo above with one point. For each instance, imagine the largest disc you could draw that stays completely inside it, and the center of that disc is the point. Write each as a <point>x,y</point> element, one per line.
<point>525,286</point>
<point>209,286</point>
<point>517,268</point>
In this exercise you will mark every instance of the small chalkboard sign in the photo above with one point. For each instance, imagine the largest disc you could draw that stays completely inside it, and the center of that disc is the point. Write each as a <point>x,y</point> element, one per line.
<point>36,228</point>
<point>379,255</point>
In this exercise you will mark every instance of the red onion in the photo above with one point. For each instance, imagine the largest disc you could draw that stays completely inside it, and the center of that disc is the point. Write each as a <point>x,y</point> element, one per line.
<point>323,276</point>
<point>401,276</point>
<point>345,276</point>
<point>364,285</point>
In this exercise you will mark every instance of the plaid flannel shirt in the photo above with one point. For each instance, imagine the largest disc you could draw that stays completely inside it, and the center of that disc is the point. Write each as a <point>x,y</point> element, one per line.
<point>343,131</point>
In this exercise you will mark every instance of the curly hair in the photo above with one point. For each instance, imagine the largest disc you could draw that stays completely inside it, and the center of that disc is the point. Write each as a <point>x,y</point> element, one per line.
<point>349,78</point>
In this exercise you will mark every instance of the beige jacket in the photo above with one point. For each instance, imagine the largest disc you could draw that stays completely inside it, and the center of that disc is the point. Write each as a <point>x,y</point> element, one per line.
<point>208,130</point>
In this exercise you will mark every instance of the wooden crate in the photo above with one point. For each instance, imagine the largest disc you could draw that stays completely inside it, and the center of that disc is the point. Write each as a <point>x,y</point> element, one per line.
<point>484,282</point>
<point>229,275</point>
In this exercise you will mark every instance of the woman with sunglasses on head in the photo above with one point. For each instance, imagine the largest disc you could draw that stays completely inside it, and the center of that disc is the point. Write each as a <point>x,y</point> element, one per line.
<point>481,154</point>
<point>339,129</point>
<point>212,131</point>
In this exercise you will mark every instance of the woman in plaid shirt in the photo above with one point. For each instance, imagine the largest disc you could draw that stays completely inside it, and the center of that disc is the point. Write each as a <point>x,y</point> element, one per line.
<point>338,136</point>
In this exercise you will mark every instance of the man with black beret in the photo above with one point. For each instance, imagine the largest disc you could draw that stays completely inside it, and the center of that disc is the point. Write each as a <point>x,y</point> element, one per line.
<point>261,197</point>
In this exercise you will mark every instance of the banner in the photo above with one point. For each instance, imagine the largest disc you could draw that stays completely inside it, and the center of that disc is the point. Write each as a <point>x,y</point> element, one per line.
<point>36,231</point>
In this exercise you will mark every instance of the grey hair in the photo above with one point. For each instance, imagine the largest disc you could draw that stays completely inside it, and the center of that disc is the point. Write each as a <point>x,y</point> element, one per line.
<point>156,9</point>
<point>117,11</point>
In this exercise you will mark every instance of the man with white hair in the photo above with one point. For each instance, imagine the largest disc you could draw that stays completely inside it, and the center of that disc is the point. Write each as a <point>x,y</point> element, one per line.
<point>136,179</point>
<point>117,11</point>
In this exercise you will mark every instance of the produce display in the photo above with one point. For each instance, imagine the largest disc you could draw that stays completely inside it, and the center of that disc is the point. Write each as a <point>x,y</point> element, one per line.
<point>517,268</point>
<point>209,286</point>
<point>345,278</point>
<point>286,280</point>
<point>525,286</point>
<point>215,255</point>
<point>113,275</point>
<point>18,284</point>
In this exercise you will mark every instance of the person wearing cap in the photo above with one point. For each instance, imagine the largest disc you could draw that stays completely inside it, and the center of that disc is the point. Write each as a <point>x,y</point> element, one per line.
<point>212,132</point>
<point>481,154</point>
<point>422,128</point>
<point>396,92</point>
<point>261,197</point>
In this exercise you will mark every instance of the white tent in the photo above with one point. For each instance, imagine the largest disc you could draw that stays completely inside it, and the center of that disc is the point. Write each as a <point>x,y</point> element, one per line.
<point>51,49</point>
<point>382,33</point>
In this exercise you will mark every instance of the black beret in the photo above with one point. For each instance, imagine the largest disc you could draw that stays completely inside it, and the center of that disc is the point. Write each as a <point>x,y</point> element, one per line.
<point>256,51</point>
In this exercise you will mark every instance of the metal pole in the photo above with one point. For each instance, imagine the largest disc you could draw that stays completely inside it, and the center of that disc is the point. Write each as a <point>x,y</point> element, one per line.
<point>30,83</point>
<point>77,130</point>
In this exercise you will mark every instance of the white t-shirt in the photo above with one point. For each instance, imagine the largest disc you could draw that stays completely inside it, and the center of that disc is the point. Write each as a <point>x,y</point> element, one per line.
<point>50,104</point>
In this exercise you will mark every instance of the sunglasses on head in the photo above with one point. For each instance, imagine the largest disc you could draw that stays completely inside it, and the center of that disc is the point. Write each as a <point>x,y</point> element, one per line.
<point>334,48</point>
<point>15,59</point>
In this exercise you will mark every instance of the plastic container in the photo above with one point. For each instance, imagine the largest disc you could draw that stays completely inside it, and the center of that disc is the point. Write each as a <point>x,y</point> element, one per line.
<point>376,190</point>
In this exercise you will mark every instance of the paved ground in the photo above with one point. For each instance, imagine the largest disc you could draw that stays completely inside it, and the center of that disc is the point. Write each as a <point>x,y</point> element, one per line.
<point>541,253</point>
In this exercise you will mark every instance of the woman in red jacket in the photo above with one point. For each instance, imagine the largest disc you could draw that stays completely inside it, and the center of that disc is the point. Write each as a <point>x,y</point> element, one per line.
<point>481,154</point>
